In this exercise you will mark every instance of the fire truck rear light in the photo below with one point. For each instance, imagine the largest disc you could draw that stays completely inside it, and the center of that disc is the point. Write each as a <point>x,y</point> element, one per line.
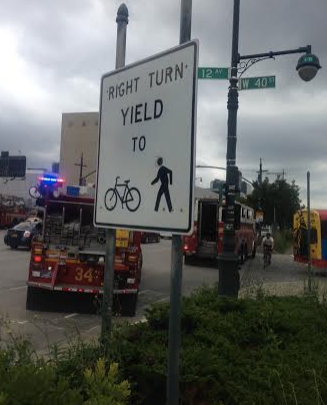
<point>185,247</point>
<point>36,274</point>
<point>37,259</point>
<point>38,251</point>
<point>130,280</point>
<point>132,258</point>
<point>49,268</point>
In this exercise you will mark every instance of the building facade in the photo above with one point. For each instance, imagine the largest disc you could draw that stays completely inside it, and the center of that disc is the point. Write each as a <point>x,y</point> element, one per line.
<point>78,147</point>
<point>20,187</point>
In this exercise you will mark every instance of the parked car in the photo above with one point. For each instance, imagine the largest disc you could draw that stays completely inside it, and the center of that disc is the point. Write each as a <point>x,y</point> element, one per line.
<point>147,237</point>
<point>22,234</point>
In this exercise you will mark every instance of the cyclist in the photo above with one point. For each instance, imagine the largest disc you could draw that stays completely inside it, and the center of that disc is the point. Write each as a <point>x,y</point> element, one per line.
<point>268,246</point>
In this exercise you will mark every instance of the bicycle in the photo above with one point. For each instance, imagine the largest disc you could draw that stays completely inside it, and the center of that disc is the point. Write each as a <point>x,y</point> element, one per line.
<point>267,250</point>
<point>131,197</point>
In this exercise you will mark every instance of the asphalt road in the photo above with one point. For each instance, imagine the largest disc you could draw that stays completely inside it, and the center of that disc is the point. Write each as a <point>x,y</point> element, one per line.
<point>50,327</point>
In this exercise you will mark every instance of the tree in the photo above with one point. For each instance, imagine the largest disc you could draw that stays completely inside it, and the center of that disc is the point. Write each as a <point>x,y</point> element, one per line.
<point>278,201</point>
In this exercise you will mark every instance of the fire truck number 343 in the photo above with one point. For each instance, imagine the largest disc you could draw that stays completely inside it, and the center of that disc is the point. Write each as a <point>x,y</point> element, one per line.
<point>81,274</point>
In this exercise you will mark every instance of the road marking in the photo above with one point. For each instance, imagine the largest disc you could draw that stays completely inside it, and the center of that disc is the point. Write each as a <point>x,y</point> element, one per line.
<point>143,292</point>
<point>70,316</point>
<point>94,327</point>
<point>17,288</point>
<point>154,292</point>
<point>162,299</point>
<point>22,322</point>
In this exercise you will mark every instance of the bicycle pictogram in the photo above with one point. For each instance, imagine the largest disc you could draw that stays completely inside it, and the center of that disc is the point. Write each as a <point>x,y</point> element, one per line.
<point>131,196</point>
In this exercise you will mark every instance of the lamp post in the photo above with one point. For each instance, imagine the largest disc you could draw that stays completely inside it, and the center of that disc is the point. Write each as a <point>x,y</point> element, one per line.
<point>307,67</point>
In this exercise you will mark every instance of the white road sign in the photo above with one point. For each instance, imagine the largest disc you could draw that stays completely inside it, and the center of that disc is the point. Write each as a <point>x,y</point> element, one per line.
<point>146,155</point>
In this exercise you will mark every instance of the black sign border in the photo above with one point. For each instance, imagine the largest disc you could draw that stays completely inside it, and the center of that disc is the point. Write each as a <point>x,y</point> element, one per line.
<point>194,43</point>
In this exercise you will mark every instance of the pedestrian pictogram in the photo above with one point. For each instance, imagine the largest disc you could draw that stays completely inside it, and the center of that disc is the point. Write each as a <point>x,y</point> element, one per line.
<point>165,176</point>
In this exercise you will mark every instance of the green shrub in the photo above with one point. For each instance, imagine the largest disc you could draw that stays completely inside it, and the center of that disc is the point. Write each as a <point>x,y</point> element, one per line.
<point>26,379</point>
<point>263,351</point>
<point>236,352</point>
<point>283,240</point>
<point>102,387</point>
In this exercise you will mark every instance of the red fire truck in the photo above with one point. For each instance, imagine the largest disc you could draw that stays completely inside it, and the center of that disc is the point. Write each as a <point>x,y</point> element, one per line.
<point>12,211</point>
<point>69,256</point>
<point>207,237</point>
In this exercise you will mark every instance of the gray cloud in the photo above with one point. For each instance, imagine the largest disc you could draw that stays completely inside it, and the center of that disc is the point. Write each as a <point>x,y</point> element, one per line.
<point>59,50</point>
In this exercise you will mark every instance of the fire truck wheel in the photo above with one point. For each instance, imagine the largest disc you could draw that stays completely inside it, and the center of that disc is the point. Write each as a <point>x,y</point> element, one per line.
<point>188,260</point>
<point>33,298</point>
<point>241,255</point>
<point>254,250</point>
<point>246,254</point>
<point>13,246</point>
<point>128,304</point>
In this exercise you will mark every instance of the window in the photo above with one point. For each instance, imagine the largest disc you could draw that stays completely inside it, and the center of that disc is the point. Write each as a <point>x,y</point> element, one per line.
<point>314,236</point>
<point>323,230</point>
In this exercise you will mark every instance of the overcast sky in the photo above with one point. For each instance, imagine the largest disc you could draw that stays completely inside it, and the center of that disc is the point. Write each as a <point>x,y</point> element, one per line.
<point>53,54</point>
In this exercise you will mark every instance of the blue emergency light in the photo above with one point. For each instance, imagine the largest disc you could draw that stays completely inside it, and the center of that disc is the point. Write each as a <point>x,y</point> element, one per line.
<point>50,180</point>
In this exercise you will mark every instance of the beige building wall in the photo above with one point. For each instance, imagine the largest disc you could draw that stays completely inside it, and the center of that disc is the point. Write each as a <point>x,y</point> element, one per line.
<point>79,134</point>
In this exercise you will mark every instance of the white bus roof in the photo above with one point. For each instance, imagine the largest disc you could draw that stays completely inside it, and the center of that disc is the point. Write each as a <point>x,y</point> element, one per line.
<point>205,193</point>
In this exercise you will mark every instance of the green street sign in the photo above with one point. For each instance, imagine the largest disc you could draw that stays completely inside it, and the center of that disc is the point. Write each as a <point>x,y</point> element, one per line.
<point>213,73</point>
<point>254,83</point>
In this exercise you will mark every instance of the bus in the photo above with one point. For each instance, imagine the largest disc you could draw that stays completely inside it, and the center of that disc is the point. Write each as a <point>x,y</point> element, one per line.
<point>206,241</point>
<point>318,237</point>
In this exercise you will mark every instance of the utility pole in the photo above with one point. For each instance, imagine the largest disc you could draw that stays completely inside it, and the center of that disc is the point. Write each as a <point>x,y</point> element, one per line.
<point>81,165</point>
<point>260,173</point>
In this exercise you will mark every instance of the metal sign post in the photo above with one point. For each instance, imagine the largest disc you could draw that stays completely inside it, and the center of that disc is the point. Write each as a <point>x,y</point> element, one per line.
<point>108,282</point>
<point>177,262</point>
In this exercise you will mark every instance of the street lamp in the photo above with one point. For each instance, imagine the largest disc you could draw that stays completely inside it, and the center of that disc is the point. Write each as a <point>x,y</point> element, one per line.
<point>307,67</point>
